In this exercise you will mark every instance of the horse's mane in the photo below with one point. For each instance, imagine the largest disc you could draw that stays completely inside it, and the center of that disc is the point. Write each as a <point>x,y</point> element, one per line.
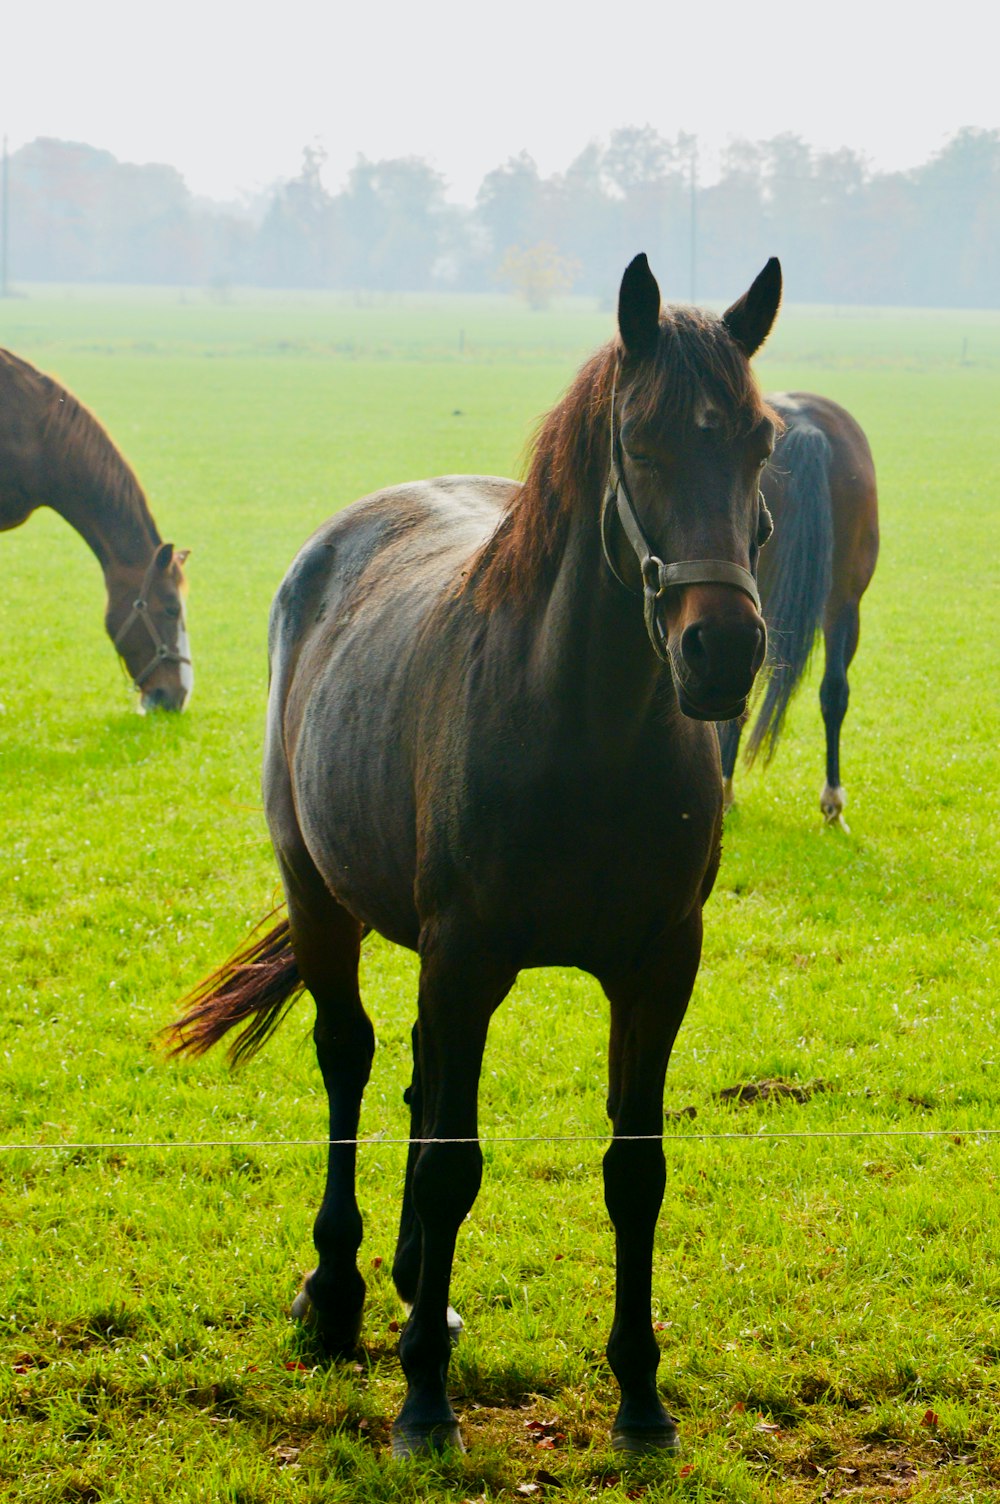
<point>71,430</point>
<point>696,358</point>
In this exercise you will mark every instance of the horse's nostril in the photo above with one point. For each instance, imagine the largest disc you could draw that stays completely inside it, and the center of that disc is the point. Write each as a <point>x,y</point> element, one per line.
<point>693,648</point>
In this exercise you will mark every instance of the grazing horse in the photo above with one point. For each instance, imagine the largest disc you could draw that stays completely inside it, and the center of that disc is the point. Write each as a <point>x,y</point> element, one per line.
<point>54,453</point>
<point>820,488</point>
<point>489,739</point>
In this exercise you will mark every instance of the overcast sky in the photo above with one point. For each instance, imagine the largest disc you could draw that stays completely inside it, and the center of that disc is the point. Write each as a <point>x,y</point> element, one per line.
<point>230,93</point>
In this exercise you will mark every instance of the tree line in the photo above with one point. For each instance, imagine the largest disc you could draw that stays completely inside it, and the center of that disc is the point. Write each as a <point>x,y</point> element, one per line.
<point>845,233</point>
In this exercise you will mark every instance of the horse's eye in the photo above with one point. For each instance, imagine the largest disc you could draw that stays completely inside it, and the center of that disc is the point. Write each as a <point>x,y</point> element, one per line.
<point>172,609</point>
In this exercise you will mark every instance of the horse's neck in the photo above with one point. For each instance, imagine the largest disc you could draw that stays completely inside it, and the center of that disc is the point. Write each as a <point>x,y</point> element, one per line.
<point>107,508</point>
<point>594,653</point>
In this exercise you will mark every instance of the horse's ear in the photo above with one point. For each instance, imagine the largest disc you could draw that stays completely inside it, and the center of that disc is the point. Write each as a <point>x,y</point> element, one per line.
<point>164,555</point>
<point>639,308</point>
<point>182,555</point>
<point>750,318</point>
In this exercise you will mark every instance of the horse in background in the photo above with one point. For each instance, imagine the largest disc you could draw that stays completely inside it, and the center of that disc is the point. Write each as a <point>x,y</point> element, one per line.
<point>820,488</point>
<point>54,453</point>
<point>490,739</point>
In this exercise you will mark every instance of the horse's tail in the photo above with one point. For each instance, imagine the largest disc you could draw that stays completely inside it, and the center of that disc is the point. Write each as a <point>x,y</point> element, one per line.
<point>259,983</point>
<point>798,577</point>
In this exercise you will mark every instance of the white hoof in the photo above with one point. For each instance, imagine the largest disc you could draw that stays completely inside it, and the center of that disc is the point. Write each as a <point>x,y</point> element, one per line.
<point>832,802</point>
<point>302,1306</point>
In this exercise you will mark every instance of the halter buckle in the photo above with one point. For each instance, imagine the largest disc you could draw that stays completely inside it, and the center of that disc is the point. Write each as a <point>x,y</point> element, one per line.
<point>653,576</point>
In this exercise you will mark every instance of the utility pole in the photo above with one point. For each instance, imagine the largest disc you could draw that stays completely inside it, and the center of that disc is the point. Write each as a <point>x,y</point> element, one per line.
<point>4,216</point>
<point>694,217</point>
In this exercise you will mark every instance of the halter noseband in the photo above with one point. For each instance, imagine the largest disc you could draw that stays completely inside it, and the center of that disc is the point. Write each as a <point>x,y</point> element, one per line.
<point>657,577</point>
<point>140,612</point>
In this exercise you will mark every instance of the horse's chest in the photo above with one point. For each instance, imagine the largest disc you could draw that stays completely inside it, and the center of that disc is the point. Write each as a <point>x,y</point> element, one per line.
<point>582,858</point>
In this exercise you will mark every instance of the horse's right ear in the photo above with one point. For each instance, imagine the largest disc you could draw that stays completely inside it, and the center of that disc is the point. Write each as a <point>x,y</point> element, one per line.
<point>639,308</point>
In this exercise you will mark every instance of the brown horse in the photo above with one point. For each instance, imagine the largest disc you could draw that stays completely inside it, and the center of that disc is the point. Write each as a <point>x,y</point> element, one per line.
<point>820,488</point>
<point>489,738</point>
<point>54,453</point>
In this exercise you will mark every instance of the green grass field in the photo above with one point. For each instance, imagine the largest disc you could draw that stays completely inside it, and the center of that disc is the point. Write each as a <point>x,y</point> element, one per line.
<point>828,1306</point>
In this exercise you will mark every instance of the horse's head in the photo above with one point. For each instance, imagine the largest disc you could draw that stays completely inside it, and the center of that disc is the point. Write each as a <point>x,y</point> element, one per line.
<point>690,435</point>
<point>145,621</point>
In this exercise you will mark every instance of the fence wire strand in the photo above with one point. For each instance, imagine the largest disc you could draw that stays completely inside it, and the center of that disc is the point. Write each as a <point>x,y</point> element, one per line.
<point>376,1142</point>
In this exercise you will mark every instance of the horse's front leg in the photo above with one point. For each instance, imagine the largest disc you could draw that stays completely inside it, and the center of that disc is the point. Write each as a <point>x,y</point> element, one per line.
<point>729,733</point>
<point>647,1007</point>
<point>461,983</point>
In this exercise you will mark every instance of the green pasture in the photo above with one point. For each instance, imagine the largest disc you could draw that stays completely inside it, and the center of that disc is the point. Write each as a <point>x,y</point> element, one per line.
<point>828,1306</point>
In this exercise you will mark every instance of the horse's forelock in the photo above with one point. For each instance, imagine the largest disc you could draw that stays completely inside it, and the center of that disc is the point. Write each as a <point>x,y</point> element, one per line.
<point>696,359</point>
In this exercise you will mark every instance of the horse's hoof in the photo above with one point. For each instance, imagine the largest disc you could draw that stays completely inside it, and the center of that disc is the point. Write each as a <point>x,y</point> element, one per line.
<point>414,1441</point>
<point>641,1440</point>
<point>337,1341</point>
<point>302,1306</point>
<point>832,802</point>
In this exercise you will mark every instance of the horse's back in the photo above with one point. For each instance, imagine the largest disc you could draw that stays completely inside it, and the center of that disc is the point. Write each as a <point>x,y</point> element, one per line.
<point>351,671</point>
<point>852,483</point>
<point>408,538</point>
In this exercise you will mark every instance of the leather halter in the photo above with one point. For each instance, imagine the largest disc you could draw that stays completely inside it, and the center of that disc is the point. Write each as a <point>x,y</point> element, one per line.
<point>657,577</point>
<point>140,612</point>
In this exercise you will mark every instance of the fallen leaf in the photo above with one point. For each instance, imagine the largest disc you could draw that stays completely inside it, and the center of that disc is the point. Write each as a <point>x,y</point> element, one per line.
<point>929,1418</point>
<point>394,1326</point>
<point>527,1488</point>
<point>738,1409</point>
<point>296,1367</point>
<point>377,1261</point>
<point>546,1479</point>
<point>686,1470</point>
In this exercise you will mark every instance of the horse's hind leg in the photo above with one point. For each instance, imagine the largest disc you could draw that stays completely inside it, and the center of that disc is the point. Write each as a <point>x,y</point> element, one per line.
<point>327,942</point>
<point>647,1008</point>
<point>461,983</point>
<point>840,631</point>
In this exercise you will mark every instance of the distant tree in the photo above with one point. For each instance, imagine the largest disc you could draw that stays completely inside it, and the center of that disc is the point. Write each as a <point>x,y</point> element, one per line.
<point>393,222</point>
<point>512,204</point>
<point>537,273</point>
<point>295,240</point>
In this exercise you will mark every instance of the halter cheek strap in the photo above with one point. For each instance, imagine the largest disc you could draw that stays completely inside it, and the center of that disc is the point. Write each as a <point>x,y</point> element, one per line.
<point>657,577</point>
<point>163,653</point>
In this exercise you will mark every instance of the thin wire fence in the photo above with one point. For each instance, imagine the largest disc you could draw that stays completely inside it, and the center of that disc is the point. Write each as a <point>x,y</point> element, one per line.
<point>377,1142</point>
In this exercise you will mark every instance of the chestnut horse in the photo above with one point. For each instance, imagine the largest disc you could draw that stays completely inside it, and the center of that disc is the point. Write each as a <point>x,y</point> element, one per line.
<point>490,739</point>
<point>820,488</point>
<point>54,453</point>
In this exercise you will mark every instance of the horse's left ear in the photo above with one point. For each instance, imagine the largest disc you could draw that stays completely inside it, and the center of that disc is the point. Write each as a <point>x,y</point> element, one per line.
<point>182,555</point>
<point>164,555</point>
<point>639,308</point>
<point>750,319</point>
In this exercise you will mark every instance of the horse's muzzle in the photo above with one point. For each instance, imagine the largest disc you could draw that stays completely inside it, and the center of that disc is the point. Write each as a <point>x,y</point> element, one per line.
<point>163,699</point>
<point>715,665</point>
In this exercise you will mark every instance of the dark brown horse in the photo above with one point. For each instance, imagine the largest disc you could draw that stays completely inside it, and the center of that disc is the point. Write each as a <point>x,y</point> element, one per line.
<point>54,453</point>
<point>489,739</point>
<point>820,488</point>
